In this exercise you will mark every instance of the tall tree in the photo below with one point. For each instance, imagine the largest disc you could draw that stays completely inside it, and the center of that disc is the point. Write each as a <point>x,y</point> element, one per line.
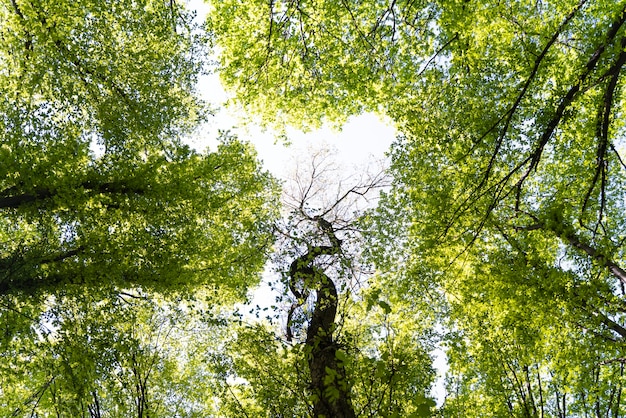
<point>95,185</point>
<point>343,348</point>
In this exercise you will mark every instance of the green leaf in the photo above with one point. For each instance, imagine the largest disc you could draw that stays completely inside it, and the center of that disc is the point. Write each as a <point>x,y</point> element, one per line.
<point>385,306</point>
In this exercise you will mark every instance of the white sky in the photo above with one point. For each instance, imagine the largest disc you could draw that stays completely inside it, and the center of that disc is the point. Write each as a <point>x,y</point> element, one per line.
<point>362,140</point>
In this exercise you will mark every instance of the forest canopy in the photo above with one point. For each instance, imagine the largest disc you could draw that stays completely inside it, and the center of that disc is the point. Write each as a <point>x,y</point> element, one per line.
<point>496,237</point>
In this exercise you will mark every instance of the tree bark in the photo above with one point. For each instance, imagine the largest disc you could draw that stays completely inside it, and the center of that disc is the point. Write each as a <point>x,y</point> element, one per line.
<point>329,386</point>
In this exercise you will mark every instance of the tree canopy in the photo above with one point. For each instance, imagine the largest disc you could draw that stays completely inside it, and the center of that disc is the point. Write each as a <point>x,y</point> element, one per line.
<point>96,185</point>
<point>108,219</point>
<point>498,240</point>
<point>507,207</point>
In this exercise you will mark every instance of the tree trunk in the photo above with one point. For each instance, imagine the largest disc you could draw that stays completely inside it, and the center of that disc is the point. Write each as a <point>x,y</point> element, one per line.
<point>329,386</point>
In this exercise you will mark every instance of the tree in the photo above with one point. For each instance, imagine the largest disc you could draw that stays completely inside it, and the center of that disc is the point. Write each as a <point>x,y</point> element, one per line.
<point>100,199</point>
<point>96,185</point>
<point>509,175</point>
<point>128,354</point>
<point>342,349</point>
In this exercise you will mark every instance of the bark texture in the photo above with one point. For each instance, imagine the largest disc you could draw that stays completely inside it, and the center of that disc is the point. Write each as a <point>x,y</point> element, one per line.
<point>328,377</point>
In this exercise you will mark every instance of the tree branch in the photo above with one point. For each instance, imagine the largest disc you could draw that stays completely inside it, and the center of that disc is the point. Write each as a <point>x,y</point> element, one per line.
<point>42,194</point>
<point>567,234</point>
<point>568,99</point>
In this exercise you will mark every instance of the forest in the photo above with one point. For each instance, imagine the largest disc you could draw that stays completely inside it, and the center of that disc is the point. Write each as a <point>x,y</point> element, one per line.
<point>493,240</point>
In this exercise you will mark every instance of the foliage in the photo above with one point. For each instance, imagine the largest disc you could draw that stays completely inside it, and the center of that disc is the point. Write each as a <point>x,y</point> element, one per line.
<point>95,184</point>
<point>164,224</point>
<point>304,61</point>
<point>386,361</point>
<point>107,219</point>
<point>507,206</point>
<point>125,354</point>
<point>502,231</point>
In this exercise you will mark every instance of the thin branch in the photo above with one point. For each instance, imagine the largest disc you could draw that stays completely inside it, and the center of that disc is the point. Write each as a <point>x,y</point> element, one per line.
<point>619,157</point>
<point>436,54</point>
<point>42,194</point>
<point>357,26</point>
<point>613,360</point>
<point>575,241</point>
<point>360,190</point>
<point>18,11</point>
<point>36,397</point>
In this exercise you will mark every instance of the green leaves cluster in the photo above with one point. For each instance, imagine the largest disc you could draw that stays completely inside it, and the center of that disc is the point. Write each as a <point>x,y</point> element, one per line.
<point>115,354</point>
<point>95,184</point>
<point>301,62</point>
<point>166,223</point>
<point>107,220</point>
